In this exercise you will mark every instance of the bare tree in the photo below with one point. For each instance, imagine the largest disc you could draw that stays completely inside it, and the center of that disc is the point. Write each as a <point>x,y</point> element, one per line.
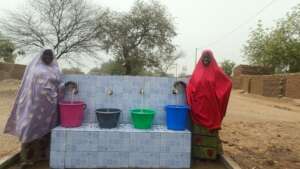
<point>67,26</point>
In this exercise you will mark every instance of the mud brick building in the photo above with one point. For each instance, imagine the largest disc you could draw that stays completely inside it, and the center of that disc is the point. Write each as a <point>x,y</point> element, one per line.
<point>11,71</point>
<point>260,81</point>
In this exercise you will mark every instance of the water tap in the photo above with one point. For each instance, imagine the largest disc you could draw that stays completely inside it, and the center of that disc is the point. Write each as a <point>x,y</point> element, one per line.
<point>175,91</point>
<point>178,86</point>
<point>71,87</point>
<point>110,92</point>
<point>142,92</point>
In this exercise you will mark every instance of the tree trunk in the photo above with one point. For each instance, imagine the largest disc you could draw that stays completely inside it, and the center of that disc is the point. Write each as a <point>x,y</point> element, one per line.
<point>127,68</point>
<point>127,62</point>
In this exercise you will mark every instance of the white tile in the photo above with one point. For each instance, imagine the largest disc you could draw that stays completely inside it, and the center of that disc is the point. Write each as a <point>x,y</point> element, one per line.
<point>57,159</point>
<point>145,142</point>
<point>81,141</point>
<point>144,160</point>
<point>175,142</point>
<point>58,140</point>
<point>175,160</point>
<point>126,93</point>
<point>116,159</point>
<point>82,160</point>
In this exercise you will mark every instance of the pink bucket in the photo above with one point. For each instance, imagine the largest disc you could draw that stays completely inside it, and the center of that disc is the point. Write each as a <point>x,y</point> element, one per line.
<point>71,114</point>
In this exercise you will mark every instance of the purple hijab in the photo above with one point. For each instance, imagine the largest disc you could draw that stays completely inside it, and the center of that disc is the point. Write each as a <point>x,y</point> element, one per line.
<point>34,113</point>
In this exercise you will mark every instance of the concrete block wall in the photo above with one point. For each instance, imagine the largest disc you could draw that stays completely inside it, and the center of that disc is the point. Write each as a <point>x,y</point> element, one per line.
<point>292,86</point>
<point>123,147</point>
<point>126,94</point>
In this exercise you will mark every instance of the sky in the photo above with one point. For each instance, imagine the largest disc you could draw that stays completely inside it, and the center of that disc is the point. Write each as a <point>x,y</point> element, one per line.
<point>204,23</point>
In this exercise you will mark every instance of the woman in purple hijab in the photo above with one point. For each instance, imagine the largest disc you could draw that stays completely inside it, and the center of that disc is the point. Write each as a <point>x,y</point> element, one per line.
<point>34,113</point>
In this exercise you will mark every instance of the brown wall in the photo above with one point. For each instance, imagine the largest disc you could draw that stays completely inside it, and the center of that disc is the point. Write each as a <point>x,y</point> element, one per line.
<point>270,85</point>
<point>251,70</point>
<point>256,85</point>
<point>236,81</point>
<point>11,71</point>
<point>257,80</point>
<point>245,83</point>
<point>273,86</point>
<point>292,86</point>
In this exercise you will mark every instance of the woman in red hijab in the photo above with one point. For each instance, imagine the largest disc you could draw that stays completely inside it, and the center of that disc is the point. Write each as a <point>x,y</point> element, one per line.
<point>208,93</point>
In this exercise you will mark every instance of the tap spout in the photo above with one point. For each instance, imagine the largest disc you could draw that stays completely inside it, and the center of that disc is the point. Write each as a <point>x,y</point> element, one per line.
<point>142,92</point>
<point>110,92</point>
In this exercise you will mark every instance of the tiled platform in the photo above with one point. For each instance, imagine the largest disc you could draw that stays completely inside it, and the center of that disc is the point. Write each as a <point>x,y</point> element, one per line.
<point>126,94</point>
<point>122,147</point>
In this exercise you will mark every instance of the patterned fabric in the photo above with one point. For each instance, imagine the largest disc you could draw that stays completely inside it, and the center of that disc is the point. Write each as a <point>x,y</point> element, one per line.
<point>34,113</point>
<point>206,144</point>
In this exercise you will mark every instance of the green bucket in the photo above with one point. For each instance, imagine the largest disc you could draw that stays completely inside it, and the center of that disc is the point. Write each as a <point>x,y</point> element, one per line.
<point>142,118</point>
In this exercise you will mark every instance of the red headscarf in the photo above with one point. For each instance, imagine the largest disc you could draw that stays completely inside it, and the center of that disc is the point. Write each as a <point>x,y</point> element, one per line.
<point>208,93</point>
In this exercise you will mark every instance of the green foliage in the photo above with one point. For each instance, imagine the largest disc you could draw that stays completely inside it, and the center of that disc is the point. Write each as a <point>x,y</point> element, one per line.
<point>141,39</point>
<point>95,71</point>
<point>6,50</point>
<point>116,68</point>
<point>109,68</point>
<point>279,47</point>
<point>228,66</point>
<point>74,70</point>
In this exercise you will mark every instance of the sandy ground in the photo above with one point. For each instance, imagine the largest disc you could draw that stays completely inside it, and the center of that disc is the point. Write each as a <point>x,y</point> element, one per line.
<point>8,144</point>
<point>258,132</point>
<point>262,133</point>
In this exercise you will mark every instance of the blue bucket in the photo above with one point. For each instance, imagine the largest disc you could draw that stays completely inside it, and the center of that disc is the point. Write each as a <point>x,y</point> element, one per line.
<point>177,116</point>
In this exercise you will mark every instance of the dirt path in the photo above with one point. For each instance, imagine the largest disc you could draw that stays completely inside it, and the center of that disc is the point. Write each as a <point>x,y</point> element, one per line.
<point>262,133</point>
<point>9,144</point>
